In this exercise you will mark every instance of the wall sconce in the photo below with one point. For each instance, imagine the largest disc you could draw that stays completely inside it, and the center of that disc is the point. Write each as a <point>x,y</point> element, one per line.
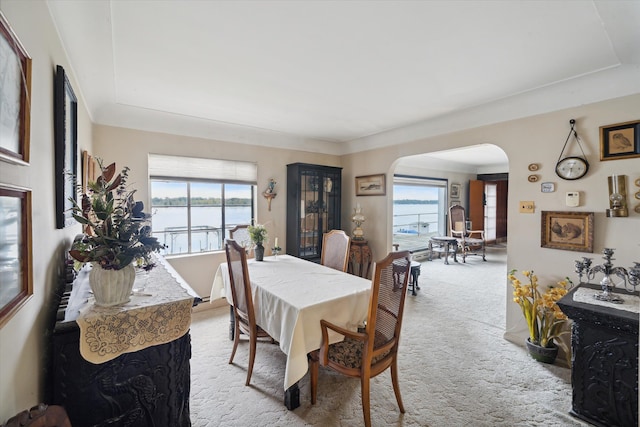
<point>617,196</point>
<point>270,193</point>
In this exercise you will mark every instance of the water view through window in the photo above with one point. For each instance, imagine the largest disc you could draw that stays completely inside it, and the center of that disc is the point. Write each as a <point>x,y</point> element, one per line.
<point>193,216</point>
<point>419,208</point>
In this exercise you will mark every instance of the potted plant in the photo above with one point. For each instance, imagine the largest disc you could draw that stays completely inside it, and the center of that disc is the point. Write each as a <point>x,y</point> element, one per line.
<point>117,234</point>
<point>545,320</point>
<point>258,234</point>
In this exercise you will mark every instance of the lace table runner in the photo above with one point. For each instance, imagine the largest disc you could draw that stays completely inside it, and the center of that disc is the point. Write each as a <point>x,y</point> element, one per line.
<point>158,316</point>
<point>586,295</point>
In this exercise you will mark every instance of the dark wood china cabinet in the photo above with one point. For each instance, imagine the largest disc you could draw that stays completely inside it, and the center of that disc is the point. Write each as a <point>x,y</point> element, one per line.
<point>313,207</point>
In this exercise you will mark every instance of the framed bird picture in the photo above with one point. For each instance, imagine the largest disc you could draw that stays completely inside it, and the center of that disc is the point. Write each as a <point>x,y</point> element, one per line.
<point>620,141</point>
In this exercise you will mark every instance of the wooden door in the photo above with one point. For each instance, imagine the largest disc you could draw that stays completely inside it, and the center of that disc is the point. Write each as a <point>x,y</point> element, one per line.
<point>475,210</point>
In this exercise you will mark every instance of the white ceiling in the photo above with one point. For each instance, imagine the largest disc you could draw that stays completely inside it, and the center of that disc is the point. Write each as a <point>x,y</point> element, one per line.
<point>343,76</point>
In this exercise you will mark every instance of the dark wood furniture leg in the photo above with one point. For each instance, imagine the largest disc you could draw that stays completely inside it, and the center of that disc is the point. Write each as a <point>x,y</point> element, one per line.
<point>232,323</point>
<point>292,397</point>
<point>415,273</point>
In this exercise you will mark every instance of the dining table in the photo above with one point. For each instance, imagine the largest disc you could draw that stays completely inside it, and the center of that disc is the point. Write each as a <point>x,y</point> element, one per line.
<point>290,296</point>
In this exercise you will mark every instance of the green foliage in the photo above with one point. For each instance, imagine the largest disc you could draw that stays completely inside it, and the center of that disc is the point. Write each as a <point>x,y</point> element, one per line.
<point>258,233</point>
<point>116,228</point>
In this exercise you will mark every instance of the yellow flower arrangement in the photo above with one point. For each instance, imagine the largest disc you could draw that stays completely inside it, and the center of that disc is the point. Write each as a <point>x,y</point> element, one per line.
<point>544,318</point>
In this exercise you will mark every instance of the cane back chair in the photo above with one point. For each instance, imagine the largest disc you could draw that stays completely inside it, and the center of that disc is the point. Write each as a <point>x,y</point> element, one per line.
<point>244,316</point>
<point>470,242</point>
<point>369,352</point>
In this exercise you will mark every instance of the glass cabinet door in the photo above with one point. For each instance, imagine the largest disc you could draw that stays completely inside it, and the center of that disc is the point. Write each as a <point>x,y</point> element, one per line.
<point>310,213</point>
<point>313,207</point>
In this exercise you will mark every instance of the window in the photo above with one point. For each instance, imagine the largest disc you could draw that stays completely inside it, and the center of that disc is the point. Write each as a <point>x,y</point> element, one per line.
<point>193,214</point>
<point>419,210</point>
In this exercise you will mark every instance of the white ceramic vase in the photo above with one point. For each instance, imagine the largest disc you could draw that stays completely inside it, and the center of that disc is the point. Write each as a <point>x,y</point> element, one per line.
<point>111,287</point>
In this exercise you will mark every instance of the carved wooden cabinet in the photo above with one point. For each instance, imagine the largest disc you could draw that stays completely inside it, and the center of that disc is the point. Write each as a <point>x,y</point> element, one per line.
<point>313,207</point>
<point>148,387</point>
<point>604,375</point>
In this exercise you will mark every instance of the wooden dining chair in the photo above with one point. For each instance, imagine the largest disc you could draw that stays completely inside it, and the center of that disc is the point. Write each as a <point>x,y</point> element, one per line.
<point>244,316</point>
<point>240,233</point>
<point>335,250</point>
<point>470,242</point>
<point>370,352</point>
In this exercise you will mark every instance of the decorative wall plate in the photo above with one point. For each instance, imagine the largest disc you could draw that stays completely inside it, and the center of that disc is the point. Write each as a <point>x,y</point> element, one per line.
<point>638,182</point>
<point>534,167</point>
<point>533,178</point>
<point>547,187</point>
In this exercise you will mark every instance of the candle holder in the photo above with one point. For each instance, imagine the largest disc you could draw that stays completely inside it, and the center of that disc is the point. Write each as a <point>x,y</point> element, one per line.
<point>629,276</point>
<point>276,250</point>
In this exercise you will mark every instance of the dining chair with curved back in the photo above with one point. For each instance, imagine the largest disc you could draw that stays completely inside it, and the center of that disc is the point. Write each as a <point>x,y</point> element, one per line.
<point>335,250</point>
<point>244,315</point>
<point>367,353</point>
<point>470,242</point>
<point>240,233</point>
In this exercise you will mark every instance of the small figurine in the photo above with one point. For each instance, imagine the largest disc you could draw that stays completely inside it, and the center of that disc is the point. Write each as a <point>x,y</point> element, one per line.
<point>271,187</point>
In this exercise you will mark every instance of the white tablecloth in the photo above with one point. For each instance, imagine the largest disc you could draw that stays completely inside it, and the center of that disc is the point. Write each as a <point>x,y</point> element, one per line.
<point>291,295</point>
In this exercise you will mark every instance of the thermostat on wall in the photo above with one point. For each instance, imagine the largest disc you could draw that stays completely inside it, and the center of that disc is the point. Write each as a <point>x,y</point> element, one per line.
<point>573,199</point>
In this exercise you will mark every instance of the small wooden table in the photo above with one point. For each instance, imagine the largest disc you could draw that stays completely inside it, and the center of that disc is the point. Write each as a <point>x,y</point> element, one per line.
<point>443,244</point>
<point>360,258</point>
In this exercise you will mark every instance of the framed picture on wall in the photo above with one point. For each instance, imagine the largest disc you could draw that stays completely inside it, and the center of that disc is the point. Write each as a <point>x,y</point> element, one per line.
<point>571,231</point>
<point>16,277</point>
<point>620,141</point>
<point>455,191</point>
<point>371,185</point>
<point>15,97</point>
<point>66,140</point>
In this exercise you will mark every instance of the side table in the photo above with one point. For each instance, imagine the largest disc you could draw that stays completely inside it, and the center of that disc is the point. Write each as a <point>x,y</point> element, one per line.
<point>360,258</point>
<point>443,244</point>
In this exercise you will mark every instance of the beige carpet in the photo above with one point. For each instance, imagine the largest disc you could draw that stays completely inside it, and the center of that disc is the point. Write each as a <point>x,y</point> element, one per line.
<point>456,369</point>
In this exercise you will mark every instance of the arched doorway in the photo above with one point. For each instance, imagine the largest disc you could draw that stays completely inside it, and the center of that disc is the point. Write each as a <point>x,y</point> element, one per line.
<point>475,177</point>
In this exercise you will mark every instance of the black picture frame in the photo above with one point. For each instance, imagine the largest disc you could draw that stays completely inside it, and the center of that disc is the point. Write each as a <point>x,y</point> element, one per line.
<point>16,262</point>
<point>620,141</point>
<point>15,75</point>
<point>66,141</point>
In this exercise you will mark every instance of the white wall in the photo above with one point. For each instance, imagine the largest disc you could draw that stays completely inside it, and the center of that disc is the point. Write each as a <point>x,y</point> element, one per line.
<point>24,339</point>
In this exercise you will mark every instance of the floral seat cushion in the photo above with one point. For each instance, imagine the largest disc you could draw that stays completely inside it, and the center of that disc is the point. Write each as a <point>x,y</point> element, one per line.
<point>349,352</point>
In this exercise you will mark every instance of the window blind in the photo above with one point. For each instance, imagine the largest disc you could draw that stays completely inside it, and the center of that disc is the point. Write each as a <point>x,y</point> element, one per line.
<point>163,166</point>
<point>419,181</point>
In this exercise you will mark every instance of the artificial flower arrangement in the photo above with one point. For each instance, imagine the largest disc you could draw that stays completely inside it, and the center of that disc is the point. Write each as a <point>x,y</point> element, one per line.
<point>544,318</point>
<point>116,228</point>
<point>258,233</point>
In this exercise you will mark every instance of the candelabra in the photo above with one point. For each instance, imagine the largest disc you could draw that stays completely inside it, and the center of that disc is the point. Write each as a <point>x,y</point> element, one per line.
<point>629,276</point>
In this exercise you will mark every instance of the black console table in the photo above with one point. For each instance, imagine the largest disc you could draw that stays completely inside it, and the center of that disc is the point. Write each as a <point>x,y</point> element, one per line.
<point>604,375</point>
<point>148,387</point>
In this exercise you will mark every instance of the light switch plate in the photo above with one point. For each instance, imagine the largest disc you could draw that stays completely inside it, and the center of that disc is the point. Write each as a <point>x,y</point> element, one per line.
<point>527,206</point>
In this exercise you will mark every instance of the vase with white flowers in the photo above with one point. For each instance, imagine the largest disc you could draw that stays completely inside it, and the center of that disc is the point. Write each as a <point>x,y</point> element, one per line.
<point>116,235</point>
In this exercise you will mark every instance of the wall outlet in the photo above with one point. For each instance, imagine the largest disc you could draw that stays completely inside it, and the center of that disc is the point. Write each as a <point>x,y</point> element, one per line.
<point>527,207</point>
